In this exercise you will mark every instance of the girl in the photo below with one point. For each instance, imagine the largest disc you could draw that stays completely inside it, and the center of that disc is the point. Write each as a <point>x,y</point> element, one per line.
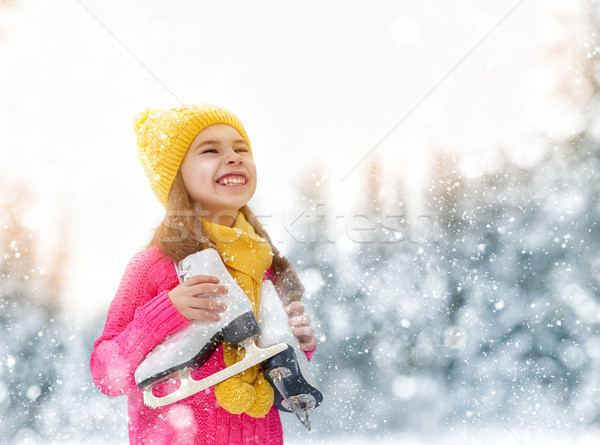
<point>198,160</point>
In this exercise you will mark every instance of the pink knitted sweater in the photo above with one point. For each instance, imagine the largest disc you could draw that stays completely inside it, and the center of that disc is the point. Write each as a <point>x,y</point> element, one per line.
<point>140,316</point>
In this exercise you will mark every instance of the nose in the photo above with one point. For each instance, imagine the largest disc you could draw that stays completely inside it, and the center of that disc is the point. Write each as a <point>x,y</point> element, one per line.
<point>233,158</point>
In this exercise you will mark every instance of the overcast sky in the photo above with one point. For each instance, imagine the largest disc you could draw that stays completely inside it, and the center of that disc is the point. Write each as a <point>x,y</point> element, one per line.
<point>333,84</point>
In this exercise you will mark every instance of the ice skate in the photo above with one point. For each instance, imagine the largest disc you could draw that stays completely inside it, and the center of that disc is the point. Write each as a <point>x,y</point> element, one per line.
<point>191,347</point>
<point>288,372</point>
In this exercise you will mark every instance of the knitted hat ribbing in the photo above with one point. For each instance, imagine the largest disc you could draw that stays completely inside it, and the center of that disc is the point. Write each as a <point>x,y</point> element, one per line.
<point>164,136</point>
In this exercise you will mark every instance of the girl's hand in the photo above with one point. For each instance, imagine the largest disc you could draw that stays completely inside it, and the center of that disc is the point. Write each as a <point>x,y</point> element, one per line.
<point>301,327</point>
<point>196,298</point>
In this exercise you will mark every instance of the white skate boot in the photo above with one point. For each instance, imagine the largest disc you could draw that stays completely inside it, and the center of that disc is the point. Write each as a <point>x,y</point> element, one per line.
<point>288,372</point>
<point>189,348</point>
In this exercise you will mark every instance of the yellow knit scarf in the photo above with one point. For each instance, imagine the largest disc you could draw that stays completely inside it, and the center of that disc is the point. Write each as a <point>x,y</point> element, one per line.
<point>247,256</point>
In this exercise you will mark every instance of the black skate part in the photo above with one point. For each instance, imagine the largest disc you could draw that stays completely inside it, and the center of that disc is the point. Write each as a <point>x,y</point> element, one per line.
<point>295,384</point>
<point>241,328</point>
<point>238,330</point>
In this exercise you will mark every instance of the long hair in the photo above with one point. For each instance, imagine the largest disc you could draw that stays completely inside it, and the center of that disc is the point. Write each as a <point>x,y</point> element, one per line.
<point>181,233</point>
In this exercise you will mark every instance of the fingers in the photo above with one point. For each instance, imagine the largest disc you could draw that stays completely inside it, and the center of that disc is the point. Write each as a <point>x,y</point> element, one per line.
<point>203,309</point>
<point>198,298</point>
<point>299,320</point>
<point>306,337</point>
<point>301,326</point>
<point>199,279</point>
<point>304,332</point>
<point>204,285</point>
<point>309,345</point>
<point>207,290</point>
<point>297,317</point>
<point>295,308</point>
<point>207,304</point>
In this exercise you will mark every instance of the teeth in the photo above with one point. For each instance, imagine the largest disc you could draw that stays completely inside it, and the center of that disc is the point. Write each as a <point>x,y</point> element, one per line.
<point>233,180</point>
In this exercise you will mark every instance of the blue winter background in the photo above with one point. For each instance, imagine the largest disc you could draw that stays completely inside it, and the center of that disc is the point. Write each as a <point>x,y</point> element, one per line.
<point>432,169</point>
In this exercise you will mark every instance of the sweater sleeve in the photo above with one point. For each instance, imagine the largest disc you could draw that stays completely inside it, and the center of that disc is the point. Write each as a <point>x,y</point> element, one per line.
<point>309,354</point>
<point>140,316</point>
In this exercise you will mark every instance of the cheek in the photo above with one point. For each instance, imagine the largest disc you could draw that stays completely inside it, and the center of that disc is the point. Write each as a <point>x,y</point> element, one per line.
<point>255,182</point>
<point>186,170</point>
<point>195,170</point>
<point>253,172</point>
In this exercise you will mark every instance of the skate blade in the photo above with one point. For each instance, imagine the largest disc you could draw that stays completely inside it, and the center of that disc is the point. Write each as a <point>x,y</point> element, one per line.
<point>293,403</point>
<point>254,355</point>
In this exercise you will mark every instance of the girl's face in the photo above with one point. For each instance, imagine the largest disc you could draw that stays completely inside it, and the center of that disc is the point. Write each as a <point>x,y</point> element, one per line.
<point>219,173</point>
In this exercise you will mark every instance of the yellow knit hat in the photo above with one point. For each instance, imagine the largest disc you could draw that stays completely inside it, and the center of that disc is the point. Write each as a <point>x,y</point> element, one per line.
<point>164,136</point>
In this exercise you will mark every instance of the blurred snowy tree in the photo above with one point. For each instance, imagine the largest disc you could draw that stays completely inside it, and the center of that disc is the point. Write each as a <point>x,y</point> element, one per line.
<point>26,325</point>
<point>500,302</point>
<point>319,264</point>
<point>371,291</point>
<point>499,322</point>
<point>46,393</point>
<point>521,256</point>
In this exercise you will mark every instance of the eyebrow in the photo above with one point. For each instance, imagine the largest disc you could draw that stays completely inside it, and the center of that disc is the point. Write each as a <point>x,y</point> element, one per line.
<point>218,142</point>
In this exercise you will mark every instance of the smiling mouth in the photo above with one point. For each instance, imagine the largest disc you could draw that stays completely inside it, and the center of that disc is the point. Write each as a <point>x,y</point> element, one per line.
<point>232,180</point>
